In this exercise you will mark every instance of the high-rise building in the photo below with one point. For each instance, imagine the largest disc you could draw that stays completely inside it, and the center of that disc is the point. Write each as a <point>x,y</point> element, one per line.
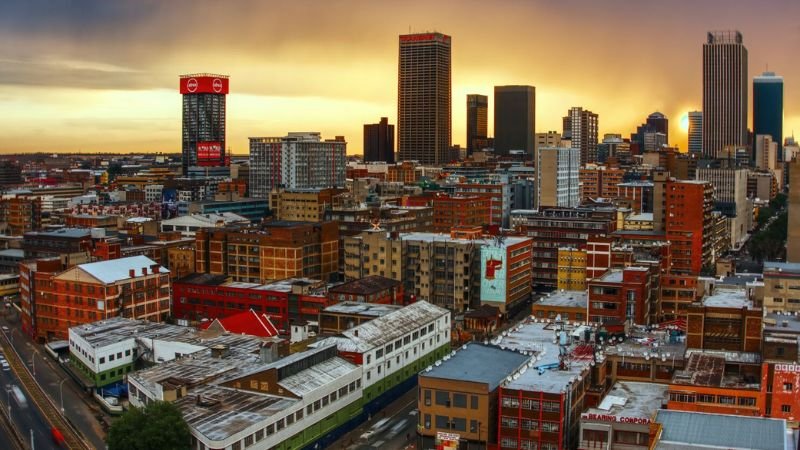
<point>296,161</point>
<point>514,119</point>
<point>424,106</point>
<point>793,237</point>
<point>477,122</point>
<point>768,107</point>
<point>695,132</point>
<point>659,123</point>
<point>580,126</point>
<point>203,142</point>
<point>558,177</point>
<point>730,198</point>
<point>379,142</point>
<point>724,92</point>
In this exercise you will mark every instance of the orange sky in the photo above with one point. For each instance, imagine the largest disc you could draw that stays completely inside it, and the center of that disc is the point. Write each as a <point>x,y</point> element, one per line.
<point>103,77</point>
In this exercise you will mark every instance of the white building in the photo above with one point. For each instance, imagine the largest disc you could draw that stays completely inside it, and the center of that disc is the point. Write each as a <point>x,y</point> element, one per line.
<point>296,161</point>
<point>189,225</point>
<point>557,177</point>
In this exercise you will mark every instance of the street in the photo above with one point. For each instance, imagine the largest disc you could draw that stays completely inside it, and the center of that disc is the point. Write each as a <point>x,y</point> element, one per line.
<point>25,416</point>
<point>55,382</point>
<point>394,429</point>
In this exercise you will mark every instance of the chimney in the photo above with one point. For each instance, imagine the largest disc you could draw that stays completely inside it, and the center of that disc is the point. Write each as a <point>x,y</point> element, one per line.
<point>155,268</point>
<point>355,333</point>
<point>131,273</point>
<point>144,270</point>
<point>785,324</point>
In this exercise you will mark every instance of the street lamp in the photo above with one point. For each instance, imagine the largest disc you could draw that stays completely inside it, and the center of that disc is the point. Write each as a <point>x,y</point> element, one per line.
<point>61,394</point>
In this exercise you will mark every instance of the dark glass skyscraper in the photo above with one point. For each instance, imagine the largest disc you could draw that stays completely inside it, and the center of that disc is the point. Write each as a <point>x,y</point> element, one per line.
<point>477,122</point>
<point>659,123</point>
<point>724,92</point>
<point>203,142</point>
<point>514,119</point>
<point>768,108</point>
<point>424,104</point>
<point>379,141</point>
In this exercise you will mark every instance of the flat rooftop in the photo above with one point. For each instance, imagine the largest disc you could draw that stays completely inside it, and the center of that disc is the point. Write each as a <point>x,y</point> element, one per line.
<point>654,344</point>
<point>361,309</point>
<point>498,364</point>
<point>705,369</point>
<point>782,322</point>
<point>728,298</point>
<point>372,284</point>
<point>632,399</point>
<point>682,430</point>
<point>567,299</point>
<point>775,266</point>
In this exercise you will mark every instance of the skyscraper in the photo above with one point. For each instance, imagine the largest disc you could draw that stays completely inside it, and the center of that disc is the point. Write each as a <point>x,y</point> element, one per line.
<point>514,119</point>
<point>695,132</point>
<point>724,92</point>
<point>423,98</point>
<point>659,123</point>
<point>580,126</point>
<point>558,177</point>
<point>379,141</point>
<point>203,142</point>
<point>768,107</point>
<point>477,122</point>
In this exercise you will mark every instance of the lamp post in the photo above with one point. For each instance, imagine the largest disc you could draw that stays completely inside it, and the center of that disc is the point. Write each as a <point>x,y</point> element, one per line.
<point>61,394</point>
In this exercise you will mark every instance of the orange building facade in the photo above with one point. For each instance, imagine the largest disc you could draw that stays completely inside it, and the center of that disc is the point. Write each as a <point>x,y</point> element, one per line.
<point>459,210</point>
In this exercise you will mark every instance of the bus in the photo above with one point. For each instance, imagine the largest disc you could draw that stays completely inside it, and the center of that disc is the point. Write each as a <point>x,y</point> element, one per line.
<point>19,397</point>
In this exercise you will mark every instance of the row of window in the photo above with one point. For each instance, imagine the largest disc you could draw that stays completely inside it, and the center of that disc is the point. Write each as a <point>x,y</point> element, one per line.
<point>528,424</point>
<point>530,404</point>
<point>526,444</point>
<point>708,398</point>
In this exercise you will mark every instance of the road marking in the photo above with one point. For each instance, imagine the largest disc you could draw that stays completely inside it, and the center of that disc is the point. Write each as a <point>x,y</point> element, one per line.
<point>378,444</point>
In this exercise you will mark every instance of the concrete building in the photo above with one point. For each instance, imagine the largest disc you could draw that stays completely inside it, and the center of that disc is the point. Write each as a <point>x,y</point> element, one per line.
<point>557,175</point>
<point>190,224</point>
<point>768,107</point>
<point>782,287</point>
<point>622,295</point>
<point>730,198</point>
<point>571,269</point>
<point>581,128</point>
<point>514,119</point>
<point>379,142</point>
<point>204,112</point>
<point>793,229</point>
<point>766,152</point>
<point>296,161</point>
<point>460,211</point>
<point>477,123</point>
<point>506,272</point>
<point>498,190</point>
<point>724,92</point>
<point>305,205</point>
<point>424,107</point>
<point>569,305</point>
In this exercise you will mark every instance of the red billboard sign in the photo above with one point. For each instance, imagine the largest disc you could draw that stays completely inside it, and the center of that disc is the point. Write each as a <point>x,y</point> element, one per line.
<point>424,37</point>
<point>204,84</point>
<point>209,153</point>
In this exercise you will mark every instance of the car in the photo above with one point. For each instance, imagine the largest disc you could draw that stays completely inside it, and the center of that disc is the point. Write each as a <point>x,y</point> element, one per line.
<point>5,329</point>
<point>5,366</point>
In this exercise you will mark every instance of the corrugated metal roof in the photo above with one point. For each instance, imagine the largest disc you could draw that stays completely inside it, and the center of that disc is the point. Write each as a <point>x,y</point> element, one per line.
<point>115,270</point>
<point>727,431</point>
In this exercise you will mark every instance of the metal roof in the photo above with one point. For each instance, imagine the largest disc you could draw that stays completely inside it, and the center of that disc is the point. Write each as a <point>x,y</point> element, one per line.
<point>478,363</point>
<point>115,270</point>
<point>695,430</point>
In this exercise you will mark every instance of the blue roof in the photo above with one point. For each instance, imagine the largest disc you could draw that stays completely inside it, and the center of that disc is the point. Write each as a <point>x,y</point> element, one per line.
<point>479,363</point>
<point>733,432</point>
<point>115,270</point>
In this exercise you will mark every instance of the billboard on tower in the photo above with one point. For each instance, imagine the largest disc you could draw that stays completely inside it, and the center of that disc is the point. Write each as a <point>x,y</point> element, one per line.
<point>209,154</point>
<point>204,84</point>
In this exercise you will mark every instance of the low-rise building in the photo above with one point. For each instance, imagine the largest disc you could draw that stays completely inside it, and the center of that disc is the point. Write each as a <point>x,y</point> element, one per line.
<point>781,286</point>
<point>690,431</point>
<point>371,289</point>
<point>571,269</point>
<point>622,295</point>
<point>569,305</point>
<point>345,315</point>
<point>190,224</point>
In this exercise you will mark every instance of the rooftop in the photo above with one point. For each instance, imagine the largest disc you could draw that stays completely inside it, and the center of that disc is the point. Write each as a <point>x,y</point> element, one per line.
<point>461,365</point>
<point>63,232</point>
<point>13,253</point>
<point>708,369</point>
<point>642,217</point>
<point>568,299</point>
<point>681,430</point>
<point>728,298</point>
<point>775,266</point>
<point>372,284</point>
<point>611,276</point>
<point>782,323</point>
<point>632,399</point>
<point>362,309</point>
<point>119,269</point>
<point>641,343</point>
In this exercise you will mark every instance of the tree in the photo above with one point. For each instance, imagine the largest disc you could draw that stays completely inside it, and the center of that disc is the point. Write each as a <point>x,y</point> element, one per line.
<point>159,425</point>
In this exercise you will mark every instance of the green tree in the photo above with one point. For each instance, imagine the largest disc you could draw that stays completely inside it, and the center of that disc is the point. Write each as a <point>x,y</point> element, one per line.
<point>159,425</point>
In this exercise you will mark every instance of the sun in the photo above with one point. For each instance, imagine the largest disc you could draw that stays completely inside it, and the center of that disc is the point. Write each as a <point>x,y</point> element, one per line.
<point>685,122</point>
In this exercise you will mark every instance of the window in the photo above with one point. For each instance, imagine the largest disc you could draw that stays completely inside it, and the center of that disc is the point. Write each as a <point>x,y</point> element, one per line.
<point>427,421</point>
<point>786,408</point>
<point>443,398</point>
<point>473,426</point>
<point>379,353</point>
<point>102,359</point>
<point>551,427</point>
<point>442,422</point>
<point>459,424</point>
<point>529,404</point>
<point>551,406</point>
<point>427,396</point>
<point>510,402</point>
<point>508,422</point>
<point>706,398</point>
<point>787,387</point>
<point>727,400</point>
<point>459,400</point>
<point>473,402</point>
<point>507,442</point>
<point>747,401</point>
<point>630,437</point>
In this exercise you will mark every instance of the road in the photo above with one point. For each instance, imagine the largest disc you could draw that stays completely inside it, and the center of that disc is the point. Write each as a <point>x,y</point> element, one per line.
<point>78,405</point>
<point>25,417</point>
<point>394,429</point>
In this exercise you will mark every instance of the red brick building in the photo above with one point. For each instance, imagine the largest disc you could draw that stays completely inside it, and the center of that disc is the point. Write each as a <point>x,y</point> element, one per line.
<point>371,289</point>
<point>688,223</point>
<point>621,294</point>
<point>204,296</point>
<point>459,210</point>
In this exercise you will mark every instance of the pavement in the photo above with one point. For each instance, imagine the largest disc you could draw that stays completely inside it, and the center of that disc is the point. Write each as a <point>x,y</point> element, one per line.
<point>79,407</point>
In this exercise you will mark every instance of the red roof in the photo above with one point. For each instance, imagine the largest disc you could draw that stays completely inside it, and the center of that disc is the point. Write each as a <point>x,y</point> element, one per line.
<point>247,322</point>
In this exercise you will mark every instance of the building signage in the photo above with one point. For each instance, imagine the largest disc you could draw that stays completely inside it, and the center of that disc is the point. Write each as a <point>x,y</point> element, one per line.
<point>493,273</point>
<point>618,419</point>
<point>209,153</point>
<point>787,367</point>
<point>447,441</point>
<point>204,85</point>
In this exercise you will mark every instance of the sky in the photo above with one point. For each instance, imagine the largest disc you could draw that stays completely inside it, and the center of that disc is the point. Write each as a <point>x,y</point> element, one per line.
<point>102,76</point>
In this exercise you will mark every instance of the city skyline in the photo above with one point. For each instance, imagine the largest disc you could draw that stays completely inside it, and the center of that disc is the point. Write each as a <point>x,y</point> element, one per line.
<point>119,94</point>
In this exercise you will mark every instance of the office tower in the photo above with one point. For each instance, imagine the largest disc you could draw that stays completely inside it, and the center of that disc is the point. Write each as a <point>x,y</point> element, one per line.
<point>423,98</point>
<point>768,107</point>
<point>793,236</point>
<point>477,122</point>
<point>514,119</point>
<point>659,123</point>
<point>558,177</point>
<point>581,127</point>
<point>203,142</point>
<point>379,141</point>
<point>766,152</point>
<point>695,132</point>
<point>724,93</point>
<point>296,161</point>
